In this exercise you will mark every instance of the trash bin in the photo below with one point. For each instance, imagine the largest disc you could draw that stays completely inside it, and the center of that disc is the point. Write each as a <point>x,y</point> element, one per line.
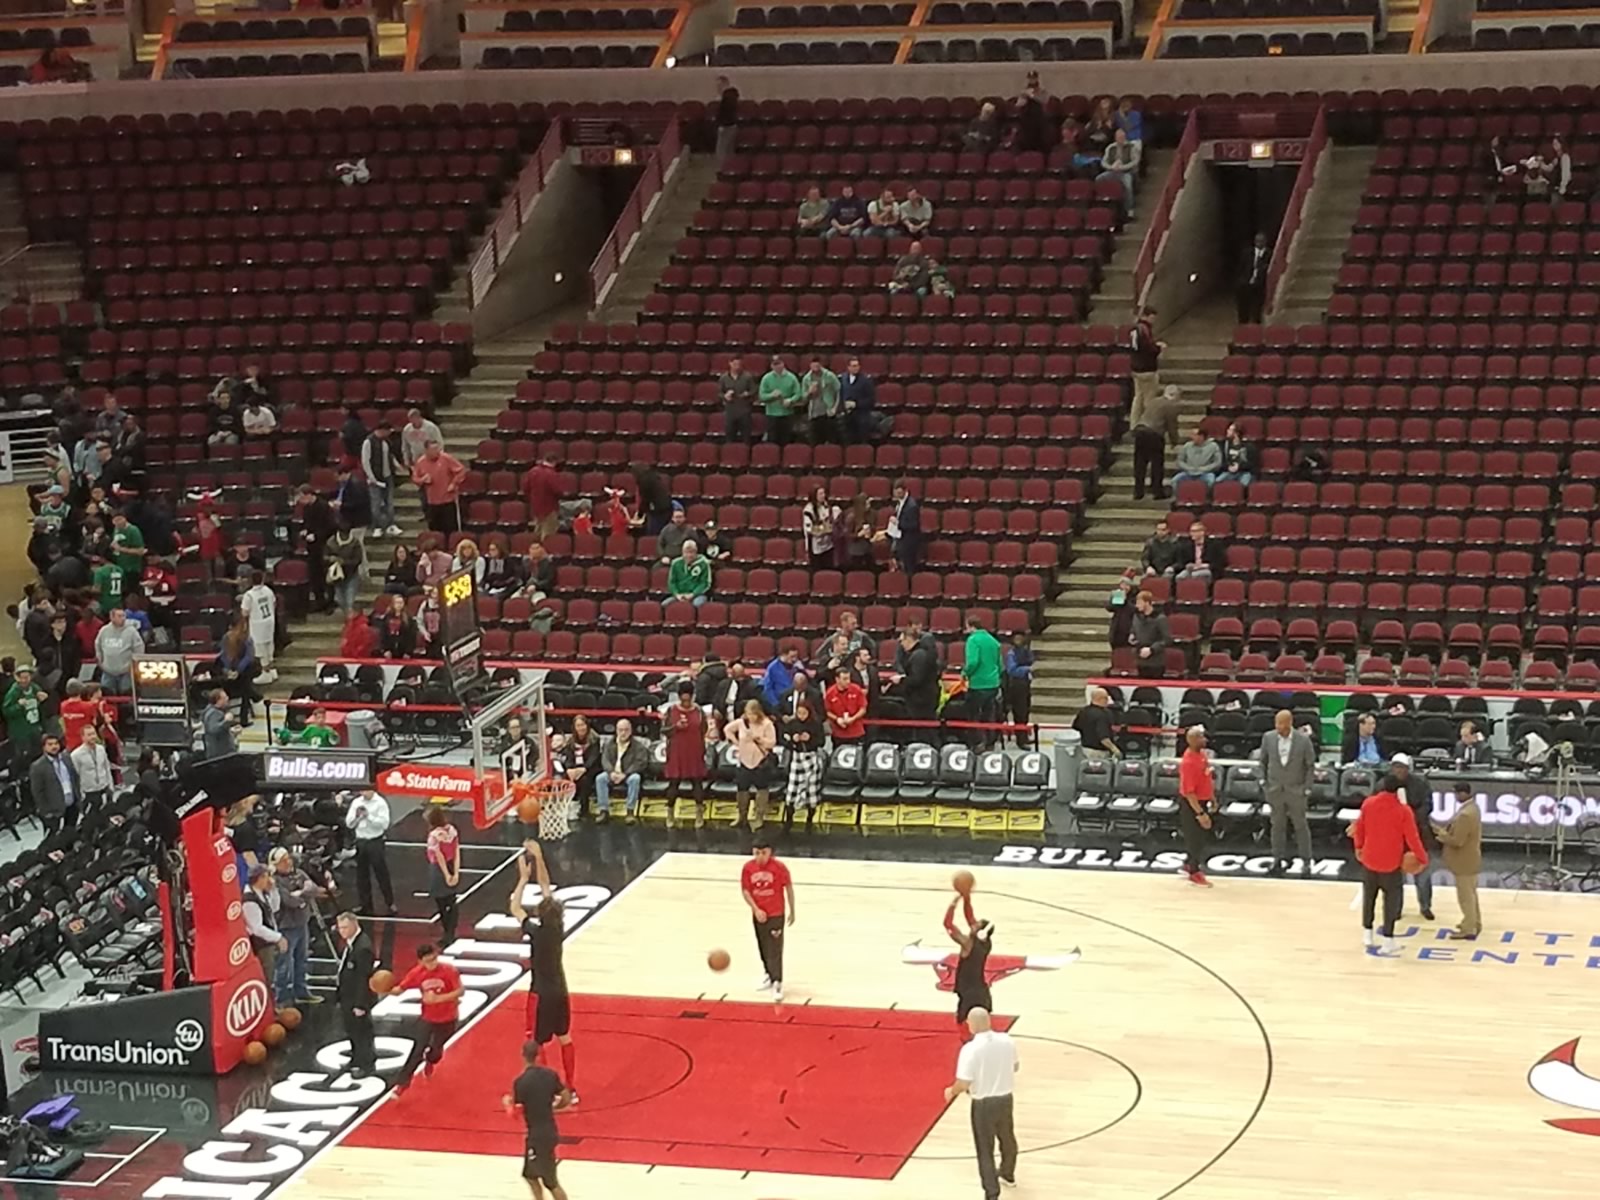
<point>1069,756</point>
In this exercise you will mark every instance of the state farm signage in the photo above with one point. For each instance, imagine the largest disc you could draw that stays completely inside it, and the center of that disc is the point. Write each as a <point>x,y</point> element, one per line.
<point>432,779</point>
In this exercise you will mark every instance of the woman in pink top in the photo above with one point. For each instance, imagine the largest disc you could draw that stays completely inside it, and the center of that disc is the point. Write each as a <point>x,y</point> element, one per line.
<point>444,871</point>
<point>753,737</point>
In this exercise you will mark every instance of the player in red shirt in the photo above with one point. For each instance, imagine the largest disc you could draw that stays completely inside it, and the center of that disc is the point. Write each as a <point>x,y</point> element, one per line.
<point>766,885</point>
<point>441,988</point>
<point>1197,797</point>
<point>1383,833</point>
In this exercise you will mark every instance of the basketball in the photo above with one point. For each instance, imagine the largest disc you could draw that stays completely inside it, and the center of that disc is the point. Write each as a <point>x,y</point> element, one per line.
<point>1410,864</point>
<point>255,1053</point>
<point>963,882</point>
<point>528,810</point>
<point>382,982</point>
<point>719,960</point>
<point>289,1018</point>
<point>274,1034</point>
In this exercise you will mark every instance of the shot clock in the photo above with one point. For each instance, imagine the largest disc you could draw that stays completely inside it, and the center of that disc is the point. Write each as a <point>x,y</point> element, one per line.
<point>459,631</point>
<point>161,700</point>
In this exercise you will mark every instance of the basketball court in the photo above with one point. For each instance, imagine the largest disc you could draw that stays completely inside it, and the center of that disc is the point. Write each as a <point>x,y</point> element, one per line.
<point>1230,1043</point>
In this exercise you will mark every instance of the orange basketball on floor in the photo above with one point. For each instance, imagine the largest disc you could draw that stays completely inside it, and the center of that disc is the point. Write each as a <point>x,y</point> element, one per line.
<point>963,882</point>
<point>255,1053</point>
<point>289,1018</point>
<point>1410,864</point>
<point>719,960</point>
<point>382,982</point>
<point>274,1034</point>
<point>528,811</point>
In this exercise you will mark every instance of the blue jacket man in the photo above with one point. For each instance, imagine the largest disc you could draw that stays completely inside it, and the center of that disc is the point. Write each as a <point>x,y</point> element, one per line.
<point>779,677</point>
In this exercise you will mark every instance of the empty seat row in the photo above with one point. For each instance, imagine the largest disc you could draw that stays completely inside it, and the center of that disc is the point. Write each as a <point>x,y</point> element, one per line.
<point>160,160</point>
<point>819,53</point>
<point>1255,45</point>
<point>817,16</point>
<point>1558,35</point>
<point>1458,214</point>
<point>249,66</point>
<point>1424,138</point>
<point>578,20</point>
<point>1438,369</point>
<point>1521,305</point>
<point>281,28</point>
<point>1266,10</point>
<point>1405,528</point>
<point>943,175</point>
<point>1437,336</point>
<point>1024,12</point>
<point>563,56</point>
<point>1010,49</point>
<point>67,36</point>
<point>1393,430</point>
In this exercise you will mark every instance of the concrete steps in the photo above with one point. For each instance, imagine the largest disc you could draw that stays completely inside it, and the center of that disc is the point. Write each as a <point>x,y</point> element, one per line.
<point>1325,233</point>
<point>652,254</point>
<point>1114,299</point>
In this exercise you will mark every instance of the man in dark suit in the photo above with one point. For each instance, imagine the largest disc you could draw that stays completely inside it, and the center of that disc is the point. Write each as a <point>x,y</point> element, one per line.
<point>1361,745</point>
<point>802,690</point>
<point>1252,282</point>
<point>858,394</point>
<point>730,690</point>
<point>919,686</point>
<point>54,781</point>
<point>905,528</point>
<point>356,998</point>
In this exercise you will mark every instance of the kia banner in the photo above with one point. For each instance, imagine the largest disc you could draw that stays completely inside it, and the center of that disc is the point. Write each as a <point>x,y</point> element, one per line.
<point>309,770</point>
<point>216,893</point>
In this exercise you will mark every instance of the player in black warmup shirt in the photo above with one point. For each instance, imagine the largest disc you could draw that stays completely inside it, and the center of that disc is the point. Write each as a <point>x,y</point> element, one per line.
<point>971,982</point>
<point>549,1005</point>
<point>538,1092</point>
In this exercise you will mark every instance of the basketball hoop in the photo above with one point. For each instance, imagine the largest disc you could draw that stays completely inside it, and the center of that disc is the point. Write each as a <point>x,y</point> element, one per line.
<point>555,795</point>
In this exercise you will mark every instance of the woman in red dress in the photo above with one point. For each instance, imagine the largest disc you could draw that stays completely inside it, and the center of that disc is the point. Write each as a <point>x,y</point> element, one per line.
<point>687,732</point>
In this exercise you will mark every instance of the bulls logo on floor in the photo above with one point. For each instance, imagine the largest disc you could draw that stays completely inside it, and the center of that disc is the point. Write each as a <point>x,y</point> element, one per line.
<point>1556,1077</point>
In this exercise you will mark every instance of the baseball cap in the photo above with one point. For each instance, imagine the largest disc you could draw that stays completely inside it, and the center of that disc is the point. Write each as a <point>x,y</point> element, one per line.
<point>1400,760</point>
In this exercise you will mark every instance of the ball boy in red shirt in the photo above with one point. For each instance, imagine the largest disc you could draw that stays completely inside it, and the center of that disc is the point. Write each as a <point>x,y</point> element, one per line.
<point>1384,832</point>
<point>441,988</point>
<point>765,884</point>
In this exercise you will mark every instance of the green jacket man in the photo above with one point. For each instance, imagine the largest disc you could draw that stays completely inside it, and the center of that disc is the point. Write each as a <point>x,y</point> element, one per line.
<point>24,717</point>
<point>690,576</point>
<point>780,390</point>
<point>821,387</point>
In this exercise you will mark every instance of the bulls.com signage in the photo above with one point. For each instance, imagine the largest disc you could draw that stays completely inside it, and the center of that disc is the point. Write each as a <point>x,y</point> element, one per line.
<point>313,769</point>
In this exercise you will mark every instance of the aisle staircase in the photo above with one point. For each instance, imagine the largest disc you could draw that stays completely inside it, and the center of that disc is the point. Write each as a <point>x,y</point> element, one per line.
<point>43,272</point>
<point>1303,294</point>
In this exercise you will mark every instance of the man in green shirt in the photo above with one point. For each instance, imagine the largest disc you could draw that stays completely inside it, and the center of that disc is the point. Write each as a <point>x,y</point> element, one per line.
<point>127,544</point>
<point>315,732</point>
<point>24,716</point>
<point>982,671</point>
<point>690,576</point>
<point>780,395</point>
<point>107,581</point>
<point>821,390</point>
<point>814,212</point>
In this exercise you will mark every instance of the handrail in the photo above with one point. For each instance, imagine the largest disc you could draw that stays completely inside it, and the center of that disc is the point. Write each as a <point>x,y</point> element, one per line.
<point>1144,267</point>
<point>1158,27</point>
<point>19,290</point>
<point>658,165</point>
<point>504,230</point>
<point>1304,179</point>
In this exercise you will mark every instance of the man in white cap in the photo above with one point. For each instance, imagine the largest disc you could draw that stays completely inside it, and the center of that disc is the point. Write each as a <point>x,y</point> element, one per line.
<point>1417,793</point>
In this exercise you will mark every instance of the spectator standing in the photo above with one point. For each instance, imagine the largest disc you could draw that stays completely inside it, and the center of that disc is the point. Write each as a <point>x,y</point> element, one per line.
<point>379,468</point>
<point>753,735</point>
<point>297,895</point>
<point>53,780</point>
<point>1417,793</point>
<point>779,676</point>
<point>1149,636</point>
<point>347,560</point>
<point>93,765</point>
<point>983,670</point>
<point>439,475</point>
<point>60,658</point>
<point>114,649</point>
<point>818,521</point>
<point>858,396</point>
<point>261,920</point>
<point>623,762</point>
<point>1252,281</point>
<point>1096,727</point>
<point>690,576</point>
<point>845,706</point>
<point>1155,427</point>
<point>352,502</point>
<point>802,734</point>
<point>260,607</point>
<point>820,390</point>
<point>1462,840</point>
<point>780,397</point>
<point>1199,458</point>
<point>1288,763</point>
<point>443,853</point>
<point>543,489</point>
<point>368,818</point>
<point>687,731</point>
<point>737,387</point>
<point>727,118</point>
<point>318,524</point>
<point>217,726</point>
<point>1019,683</point>
<point>904,530</point>
<point>919,683</point>
<point>236,658</point>
<point>415,435</point>
<point>127,544</point>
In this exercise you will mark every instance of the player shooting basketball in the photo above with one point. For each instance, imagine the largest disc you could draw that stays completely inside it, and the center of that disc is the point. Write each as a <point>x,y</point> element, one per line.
<point>549,1004</point>
<point>971,977</point>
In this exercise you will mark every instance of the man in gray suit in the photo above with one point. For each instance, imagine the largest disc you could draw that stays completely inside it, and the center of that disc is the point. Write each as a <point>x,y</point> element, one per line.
<point>1288,760</point>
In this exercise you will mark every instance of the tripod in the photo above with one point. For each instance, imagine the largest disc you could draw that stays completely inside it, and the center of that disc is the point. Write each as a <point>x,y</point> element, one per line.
<point>1552,874</point>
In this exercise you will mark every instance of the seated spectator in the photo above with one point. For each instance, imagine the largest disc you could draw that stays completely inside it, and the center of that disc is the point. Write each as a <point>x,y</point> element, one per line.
<point>983,134</point>
<point>401,577</point>
<point>429,618</point>
<point>847,216</point>
<point>814,209</point>
<point>359,639</point>
<point>397,632</point>
<point>257,419</point>
<point>435,563</point>
<point>1149,636</point>
<point>225,424</point>
<point>577,756</point>
<point>1129,120</point>
<point>1238,458</point>
<point>1472,750</point>
<point>939,279</point>
<point>916,213</point>
<point>1361,744</point>
<point>1536,173</point>
<point>318,731</point>
<point>911,273</point>
<point>1121,162</point>
<point>714,543</point>
<point>623,762</point>
<point>55,65</point>
<point>1100,130</point>
<point>1495,166</point>
<point>501,576</point>
<point>539,573</point>
<point>467,558</point>
<point>1198,458</point>
<point>1202,557</point>
<point>1121,607</point>
<point>583,518</point>
<point>883,215</point>
<point>1163,552</point>
<point>690,576</point>
<point>669,543</point>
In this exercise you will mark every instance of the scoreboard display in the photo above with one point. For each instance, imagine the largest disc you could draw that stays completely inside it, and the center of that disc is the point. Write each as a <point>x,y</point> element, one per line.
<point>161,700</point>
<point>459,630</point>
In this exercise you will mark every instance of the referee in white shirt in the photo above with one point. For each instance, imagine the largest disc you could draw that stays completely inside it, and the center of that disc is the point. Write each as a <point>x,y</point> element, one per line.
<point>368,818</point>
<point>986,1070</point>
